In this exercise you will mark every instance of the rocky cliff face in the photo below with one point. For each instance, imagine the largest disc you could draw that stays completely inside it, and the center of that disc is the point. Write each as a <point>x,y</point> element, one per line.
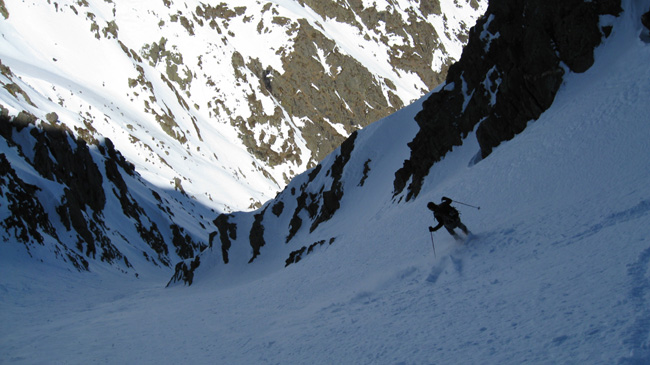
<point>258,91</point>
<point>508,75</point>
<point>85,205</point>
<point>310,200</point>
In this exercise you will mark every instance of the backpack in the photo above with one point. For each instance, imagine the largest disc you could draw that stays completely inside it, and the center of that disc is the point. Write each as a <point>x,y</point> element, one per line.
<point>453,213</point>
<point>452,217</point>
<point>447,214</point>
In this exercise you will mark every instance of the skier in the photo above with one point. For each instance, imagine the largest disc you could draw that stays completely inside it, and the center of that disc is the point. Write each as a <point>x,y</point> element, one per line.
<point>447,216</point>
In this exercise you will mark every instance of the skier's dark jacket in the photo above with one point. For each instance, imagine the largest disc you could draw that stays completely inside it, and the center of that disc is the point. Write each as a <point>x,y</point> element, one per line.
<point>445,214</point>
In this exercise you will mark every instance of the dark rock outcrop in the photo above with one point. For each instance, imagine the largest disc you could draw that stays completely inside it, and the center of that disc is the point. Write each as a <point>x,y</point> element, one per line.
<point>184,271</point>
<point>256,236</point>
<point>645,20</point>
<point>509,73</point>
<point>278,208</point>
<point>331,198</point>
<point>297,255</point>
<point>72,180</point>
<point>186,247</point>
<point>227,231</point>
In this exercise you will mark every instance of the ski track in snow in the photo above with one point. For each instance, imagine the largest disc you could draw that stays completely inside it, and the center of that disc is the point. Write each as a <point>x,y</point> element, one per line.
<point>557,269</point>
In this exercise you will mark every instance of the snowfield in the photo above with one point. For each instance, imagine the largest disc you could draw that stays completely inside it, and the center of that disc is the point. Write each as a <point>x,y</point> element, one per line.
<point>557,269</point>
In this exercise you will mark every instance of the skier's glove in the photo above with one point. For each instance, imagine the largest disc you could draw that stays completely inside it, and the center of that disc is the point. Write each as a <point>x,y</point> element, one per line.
<point>431,229</point>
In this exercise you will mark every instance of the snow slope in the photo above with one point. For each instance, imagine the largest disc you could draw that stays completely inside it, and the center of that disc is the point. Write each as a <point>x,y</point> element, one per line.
<point>557,270</point>
<point>175,85</point>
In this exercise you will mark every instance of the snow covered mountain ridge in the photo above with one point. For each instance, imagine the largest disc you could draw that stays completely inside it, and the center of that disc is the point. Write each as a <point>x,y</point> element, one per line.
<point>508,75</point>
<point>227,100</point>
<point>129,125</point>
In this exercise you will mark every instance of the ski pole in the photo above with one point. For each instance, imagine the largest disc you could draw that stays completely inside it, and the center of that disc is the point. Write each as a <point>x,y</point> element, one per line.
<point>433,244</point>
<point>456,201</point>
